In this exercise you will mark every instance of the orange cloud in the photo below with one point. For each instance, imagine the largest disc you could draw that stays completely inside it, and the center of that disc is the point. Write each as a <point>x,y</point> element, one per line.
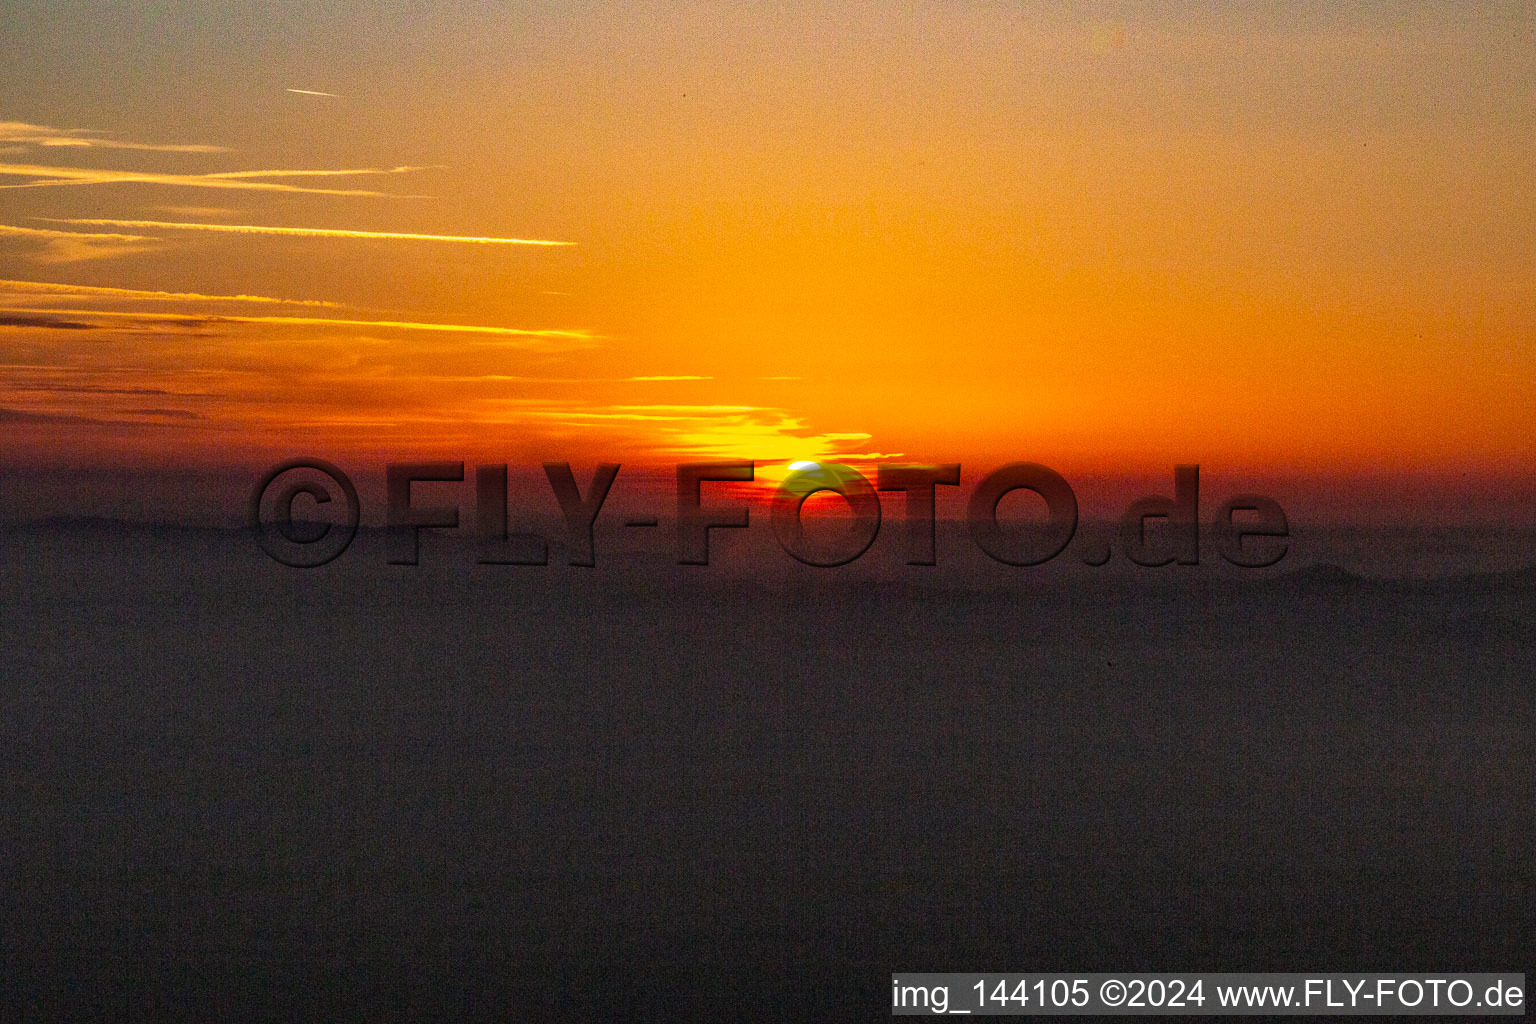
<point>70,291</point>
<point>45,176</point>
<point>255,229</point>
<point>74,246</point>
<point>80,138</point>
<point>574,336</point>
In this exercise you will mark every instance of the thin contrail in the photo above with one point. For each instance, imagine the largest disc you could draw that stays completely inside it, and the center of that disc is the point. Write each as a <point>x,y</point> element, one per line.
<point>256,229</point>
<point>402,169</point>
<point>312,321</point>
<point>50,176</point>
<point>12,229</point>
<point>312,92</point>
<point>85,291</point>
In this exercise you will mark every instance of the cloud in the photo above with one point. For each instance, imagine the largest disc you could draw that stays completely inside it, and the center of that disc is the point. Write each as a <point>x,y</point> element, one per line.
<point>311,173</point>
<point>19,416</point>
<point>81,138</point>
<point>16,229</point>
<point>97,389</point>
<point>74,246</point>
<point>655,413</point>
<point>664,377</point>
<point>765,435</point>
<point>578,337</point>
<point>312,92</point>
<point>68,291</point>
<point>255,229</point>
<point>45,176</point>
<point>23,416</point>
<point>176,414</point>
<point>197,211</point>
<point>691,409</point>
<point>771,436</point>
<point>524,379</point>
<point>16,317</point>
<point>49,323</point>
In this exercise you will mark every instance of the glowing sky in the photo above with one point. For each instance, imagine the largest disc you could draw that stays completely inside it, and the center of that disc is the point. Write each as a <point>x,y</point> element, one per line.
<point>1281,239</point>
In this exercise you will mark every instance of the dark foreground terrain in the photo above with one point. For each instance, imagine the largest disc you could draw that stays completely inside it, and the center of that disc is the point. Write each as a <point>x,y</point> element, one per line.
<point>236,791</point>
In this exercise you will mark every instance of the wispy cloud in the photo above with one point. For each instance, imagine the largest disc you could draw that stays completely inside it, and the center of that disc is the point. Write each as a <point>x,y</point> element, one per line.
<point>56,291</point>
<point>654,413</point>
<point>22,416</point>
<point>692,410</point>
<point>770,435</point>
<point>585,337</point>
<point>767,434</point>
<point>81,138</point>
<point>43,417</point>
<point>45,322</point>
<point>16,229</point>
<point>313,92</point>
<point>197,211</point>
<point>524,379</point>
<point>258,229</point>
<point>312,173</point>
<point>97,389</point>
<point>663,377</point>
<point>45,176</point>
<point>29,318</point>
<point>74,246</point>
<point>172,414</point>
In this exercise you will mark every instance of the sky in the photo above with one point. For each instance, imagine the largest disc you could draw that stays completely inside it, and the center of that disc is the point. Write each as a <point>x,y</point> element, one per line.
<point>1283,241</point>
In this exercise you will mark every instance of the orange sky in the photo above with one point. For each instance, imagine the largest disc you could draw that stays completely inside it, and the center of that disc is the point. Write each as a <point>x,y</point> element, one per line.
<point>1281,242</point>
